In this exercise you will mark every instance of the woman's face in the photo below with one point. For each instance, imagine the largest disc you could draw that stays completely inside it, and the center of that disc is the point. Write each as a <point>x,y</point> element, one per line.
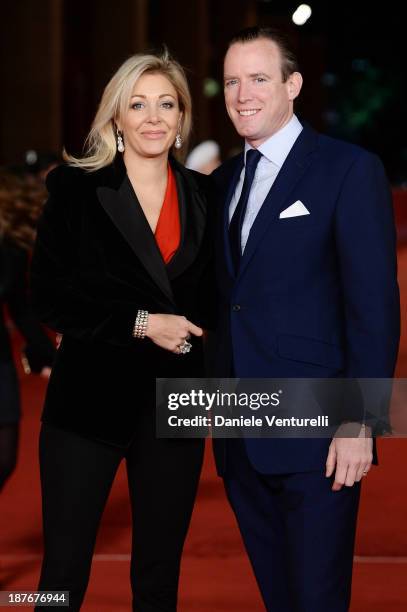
<point>151,123</point>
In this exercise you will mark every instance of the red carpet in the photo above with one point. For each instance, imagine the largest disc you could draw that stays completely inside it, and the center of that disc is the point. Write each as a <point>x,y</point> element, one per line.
<point>215,574</point>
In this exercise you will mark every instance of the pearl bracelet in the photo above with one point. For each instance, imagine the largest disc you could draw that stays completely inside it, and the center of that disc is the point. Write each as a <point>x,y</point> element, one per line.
<point>140,324</point>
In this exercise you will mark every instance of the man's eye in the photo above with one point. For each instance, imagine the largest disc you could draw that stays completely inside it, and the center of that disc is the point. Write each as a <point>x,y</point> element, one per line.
<point>260,79</point>
<point>230,82</point>
<point>137,105</point>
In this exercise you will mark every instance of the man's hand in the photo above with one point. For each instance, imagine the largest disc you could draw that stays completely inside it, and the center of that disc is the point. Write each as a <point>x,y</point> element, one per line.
<point>352,456</point>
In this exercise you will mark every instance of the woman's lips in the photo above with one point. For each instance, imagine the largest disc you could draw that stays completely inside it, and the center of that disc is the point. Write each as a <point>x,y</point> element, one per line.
<point>153,135</point>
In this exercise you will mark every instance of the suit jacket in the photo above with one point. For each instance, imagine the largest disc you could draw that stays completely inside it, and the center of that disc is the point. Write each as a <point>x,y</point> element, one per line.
<point>316,296</point>
<point>95,263</point>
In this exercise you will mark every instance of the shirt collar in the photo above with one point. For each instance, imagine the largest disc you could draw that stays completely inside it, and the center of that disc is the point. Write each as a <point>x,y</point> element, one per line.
<point>276,148</point>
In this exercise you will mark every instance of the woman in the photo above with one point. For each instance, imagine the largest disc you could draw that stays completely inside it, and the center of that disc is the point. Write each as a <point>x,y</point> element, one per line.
<point>122,268</point>
<point>20,206</point>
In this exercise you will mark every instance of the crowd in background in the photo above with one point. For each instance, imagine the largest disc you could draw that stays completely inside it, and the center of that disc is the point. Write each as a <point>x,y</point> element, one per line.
<point>22,195</point>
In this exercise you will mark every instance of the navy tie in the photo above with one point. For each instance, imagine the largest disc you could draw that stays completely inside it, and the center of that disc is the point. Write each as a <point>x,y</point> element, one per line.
<point>236,223</point>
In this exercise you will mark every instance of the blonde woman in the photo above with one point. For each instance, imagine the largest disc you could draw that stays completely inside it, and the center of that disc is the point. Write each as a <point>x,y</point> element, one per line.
<point>122,268</point>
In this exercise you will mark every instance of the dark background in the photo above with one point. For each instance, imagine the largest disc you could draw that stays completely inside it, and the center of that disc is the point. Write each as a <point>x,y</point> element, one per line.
<point>57,55</point>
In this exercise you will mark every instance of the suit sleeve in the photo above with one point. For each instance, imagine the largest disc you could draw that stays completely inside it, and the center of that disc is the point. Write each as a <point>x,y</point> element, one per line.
<point>366,247</point>
<point>56,296</point>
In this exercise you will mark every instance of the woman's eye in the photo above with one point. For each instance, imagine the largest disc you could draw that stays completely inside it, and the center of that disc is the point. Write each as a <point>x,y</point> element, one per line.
<point>168,105</point>
<point>137,105</point>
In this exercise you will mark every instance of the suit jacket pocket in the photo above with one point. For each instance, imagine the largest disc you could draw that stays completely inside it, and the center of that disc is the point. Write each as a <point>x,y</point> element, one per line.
<point>302,220</point>
<point>310,350</point>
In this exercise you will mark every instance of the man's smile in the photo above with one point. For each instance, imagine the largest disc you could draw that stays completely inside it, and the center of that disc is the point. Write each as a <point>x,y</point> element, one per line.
<point>248,112</point>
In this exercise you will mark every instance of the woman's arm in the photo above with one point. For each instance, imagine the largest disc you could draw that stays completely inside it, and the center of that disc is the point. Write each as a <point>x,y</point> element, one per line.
<point>58,300</point>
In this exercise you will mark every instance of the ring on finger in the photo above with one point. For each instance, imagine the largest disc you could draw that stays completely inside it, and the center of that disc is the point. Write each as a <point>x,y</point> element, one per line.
<point>184,348</point>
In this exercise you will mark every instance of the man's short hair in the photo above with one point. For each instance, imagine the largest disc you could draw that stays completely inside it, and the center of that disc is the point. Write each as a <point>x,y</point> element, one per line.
<point>289,62</point>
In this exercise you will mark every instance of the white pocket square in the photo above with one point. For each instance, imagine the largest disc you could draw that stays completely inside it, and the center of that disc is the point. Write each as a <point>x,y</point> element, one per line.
<point>295,210</point>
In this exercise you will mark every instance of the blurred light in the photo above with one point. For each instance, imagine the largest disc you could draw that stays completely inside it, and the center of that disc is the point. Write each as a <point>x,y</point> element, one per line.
<point>360,65</point>
<point>329,79</point>
<point>302,14</point>
<point>331,117</point>
<point>31,157</point>
<point>211,87</point>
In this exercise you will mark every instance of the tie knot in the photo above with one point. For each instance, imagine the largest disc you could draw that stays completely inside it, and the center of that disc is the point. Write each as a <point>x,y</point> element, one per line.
<point>252,159</point>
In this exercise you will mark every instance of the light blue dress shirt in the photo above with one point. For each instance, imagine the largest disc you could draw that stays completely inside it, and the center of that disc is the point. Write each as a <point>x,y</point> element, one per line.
<point>274,153</point>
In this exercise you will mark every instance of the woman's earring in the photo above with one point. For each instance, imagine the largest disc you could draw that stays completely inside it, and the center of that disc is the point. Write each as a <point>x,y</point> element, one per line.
<point>178,141</point>
<point>120,143</point>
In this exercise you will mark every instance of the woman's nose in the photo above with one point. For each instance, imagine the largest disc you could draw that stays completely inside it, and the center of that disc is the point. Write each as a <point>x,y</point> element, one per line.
<point>153,115</point>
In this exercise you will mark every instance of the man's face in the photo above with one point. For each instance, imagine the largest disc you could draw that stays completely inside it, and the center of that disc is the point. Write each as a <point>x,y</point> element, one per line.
<point>257,101</point>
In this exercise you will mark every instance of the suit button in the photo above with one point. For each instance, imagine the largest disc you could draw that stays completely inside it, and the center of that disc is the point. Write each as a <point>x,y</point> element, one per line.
<point>236,307</point>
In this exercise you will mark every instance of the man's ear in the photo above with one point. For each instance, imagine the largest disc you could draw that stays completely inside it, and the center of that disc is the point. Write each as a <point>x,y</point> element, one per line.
<point>294,84</point>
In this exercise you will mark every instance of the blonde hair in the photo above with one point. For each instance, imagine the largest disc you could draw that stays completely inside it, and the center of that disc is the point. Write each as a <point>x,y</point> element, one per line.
<point>100,144</point>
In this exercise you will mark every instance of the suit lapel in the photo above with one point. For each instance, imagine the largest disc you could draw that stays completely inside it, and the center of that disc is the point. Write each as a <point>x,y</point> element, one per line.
<point>125,211</point>
<point>120,202</point>
<point>192,209</point>
<point>290,173</point>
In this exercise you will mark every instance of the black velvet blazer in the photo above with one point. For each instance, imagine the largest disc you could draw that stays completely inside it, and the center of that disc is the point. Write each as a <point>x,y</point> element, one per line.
<point>95,263</point>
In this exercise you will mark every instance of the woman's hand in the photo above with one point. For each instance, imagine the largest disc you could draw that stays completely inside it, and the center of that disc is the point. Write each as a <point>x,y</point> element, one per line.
<point>170,331</point>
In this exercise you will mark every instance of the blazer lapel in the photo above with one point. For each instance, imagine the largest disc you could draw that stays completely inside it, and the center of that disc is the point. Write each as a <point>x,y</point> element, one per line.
<point>291,172</point>
<point>192,209</point>
<point>125,211</point>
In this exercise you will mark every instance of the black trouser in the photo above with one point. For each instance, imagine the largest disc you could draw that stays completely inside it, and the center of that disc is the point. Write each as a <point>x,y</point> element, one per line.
<point>76,477</point>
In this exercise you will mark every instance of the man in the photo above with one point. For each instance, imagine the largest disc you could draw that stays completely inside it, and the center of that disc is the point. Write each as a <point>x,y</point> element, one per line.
<point>307,277</point>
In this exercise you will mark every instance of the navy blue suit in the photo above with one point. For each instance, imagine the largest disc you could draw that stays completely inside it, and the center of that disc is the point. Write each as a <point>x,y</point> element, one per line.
<point>315,296</point>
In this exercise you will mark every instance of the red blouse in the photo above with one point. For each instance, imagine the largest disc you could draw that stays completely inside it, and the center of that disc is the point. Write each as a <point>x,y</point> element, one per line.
<point>168,230</point>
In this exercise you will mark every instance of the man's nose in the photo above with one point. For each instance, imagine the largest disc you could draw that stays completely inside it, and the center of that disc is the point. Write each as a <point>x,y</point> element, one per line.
<point>244,92</point>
